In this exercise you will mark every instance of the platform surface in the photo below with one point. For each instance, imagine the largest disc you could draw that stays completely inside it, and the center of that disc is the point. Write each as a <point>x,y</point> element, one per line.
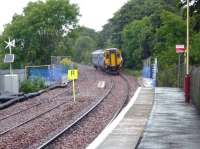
<point>128,131</point>
<point>173,124</point>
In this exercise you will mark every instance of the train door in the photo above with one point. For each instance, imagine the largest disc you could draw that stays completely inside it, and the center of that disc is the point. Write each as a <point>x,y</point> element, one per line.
<point>113,59</point>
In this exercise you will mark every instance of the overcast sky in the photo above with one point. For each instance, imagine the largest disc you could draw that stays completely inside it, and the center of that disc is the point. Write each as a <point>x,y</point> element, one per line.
<point>95,13</point>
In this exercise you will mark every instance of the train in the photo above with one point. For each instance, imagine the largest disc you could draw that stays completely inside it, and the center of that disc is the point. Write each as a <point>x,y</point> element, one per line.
<point>109,60</point>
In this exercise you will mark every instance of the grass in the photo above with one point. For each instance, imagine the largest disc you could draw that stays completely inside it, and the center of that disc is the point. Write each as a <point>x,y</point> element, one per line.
<point>135,73</point>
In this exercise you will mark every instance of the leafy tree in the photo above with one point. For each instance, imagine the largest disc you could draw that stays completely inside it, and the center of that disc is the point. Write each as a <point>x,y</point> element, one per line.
<point>137,37</point>
<point>194,13</point>
<point>85,42</point>
<point>41,29</point>
<point>84,31</point>
<point>83,47</point>
<point>195,50</point>
<point>131,11</point>
<point>171,32</point>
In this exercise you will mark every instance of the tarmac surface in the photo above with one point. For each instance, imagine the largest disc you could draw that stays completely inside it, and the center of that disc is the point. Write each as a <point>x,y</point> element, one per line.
<point>125,131</point>
<point>173,124</point>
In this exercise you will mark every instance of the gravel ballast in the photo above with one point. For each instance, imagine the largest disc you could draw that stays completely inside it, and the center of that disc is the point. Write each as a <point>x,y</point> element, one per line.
<point>65,111</point>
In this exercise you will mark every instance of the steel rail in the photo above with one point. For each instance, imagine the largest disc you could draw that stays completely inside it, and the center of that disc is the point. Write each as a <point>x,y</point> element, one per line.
<point>77,120</point>
<point>126,99</point>
<point>38,116</point>
<point>15,113</point>
<point>18,112</point>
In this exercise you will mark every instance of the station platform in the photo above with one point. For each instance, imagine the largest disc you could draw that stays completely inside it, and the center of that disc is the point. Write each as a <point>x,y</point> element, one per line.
<point>154,119</point>
<point>125,131</point>
<point>173,124</point>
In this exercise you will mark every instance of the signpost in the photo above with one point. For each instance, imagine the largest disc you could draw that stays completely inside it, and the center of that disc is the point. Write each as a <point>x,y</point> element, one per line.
<point>180,49</point>
<point>9,58</point>
<point>73,75</point>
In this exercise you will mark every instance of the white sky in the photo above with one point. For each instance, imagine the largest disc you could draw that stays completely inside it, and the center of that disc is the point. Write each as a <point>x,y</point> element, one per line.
<point>94,13</point>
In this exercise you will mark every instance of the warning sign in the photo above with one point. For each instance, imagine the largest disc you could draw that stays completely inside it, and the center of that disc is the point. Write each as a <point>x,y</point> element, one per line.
<point>72,74</point>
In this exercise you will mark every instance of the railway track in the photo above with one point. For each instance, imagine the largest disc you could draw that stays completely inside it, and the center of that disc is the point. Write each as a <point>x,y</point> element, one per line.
<point>33,118</point>
<point>125,100</point>
<point>32,106</point>
<point>76,121</point>
<point>48,134</point>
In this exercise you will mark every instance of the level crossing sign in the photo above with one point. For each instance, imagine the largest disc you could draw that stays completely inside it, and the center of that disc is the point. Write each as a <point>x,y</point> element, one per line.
<point>72,74</point>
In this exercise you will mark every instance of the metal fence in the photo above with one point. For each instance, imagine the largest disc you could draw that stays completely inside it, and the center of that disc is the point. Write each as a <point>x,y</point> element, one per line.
<point>195,85</point>
<point>20,72</point>
<point>149,70</point>
<point>172,76</point>
<point>51,74</point>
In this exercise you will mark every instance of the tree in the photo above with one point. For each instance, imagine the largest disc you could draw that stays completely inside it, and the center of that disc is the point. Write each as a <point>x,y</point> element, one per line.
<point>83,47</point>
<point>195,49</point>
<point>41,29</point>
<point>137,39</point>
<point>131,11</point>
<point>84,43</point>
<point>171,32</point>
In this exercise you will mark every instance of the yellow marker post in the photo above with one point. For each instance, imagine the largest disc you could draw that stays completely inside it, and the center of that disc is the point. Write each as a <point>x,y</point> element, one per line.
<point>73,75</point>
<point>74,91</point>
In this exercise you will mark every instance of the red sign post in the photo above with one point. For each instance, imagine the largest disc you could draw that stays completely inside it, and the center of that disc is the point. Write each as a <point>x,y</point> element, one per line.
<point>180,48</point>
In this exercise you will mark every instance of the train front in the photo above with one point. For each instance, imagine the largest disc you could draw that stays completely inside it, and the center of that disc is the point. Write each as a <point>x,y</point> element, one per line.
<point>113,59</point>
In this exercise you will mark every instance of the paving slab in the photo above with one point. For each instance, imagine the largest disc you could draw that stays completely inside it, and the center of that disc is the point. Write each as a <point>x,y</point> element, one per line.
<point>173,124</point>
<point>127,133</point>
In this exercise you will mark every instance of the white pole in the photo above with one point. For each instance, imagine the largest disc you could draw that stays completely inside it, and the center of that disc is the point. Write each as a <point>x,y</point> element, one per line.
<point>10,63</point>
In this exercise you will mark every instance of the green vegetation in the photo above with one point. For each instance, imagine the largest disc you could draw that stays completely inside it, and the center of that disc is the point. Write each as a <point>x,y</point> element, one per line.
<point>29,86</point>
<point>141,28</point>
<point>153,28</point>
<point>135,73</point>
<point>42,30</point>
<point>85,42</point>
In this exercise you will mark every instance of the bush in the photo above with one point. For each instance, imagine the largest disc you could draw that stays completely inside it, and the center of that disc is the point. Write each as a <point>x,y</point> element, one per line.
<point>29,86</point>
<point>135,73</point>
<point>68,63</point>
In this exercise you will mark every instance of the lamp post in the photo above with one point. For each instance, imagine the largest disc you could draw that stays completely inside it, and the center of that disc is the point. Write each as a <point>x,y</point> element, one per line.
<point>187,75</point>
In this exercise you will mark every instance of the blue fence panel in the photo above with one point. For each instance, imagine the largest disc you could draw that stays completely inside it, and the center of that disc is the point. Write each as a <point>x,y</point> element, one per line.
<point>39,72</point>
<point>147,72</point>
<point>56,73</point>
<point>49,74</point>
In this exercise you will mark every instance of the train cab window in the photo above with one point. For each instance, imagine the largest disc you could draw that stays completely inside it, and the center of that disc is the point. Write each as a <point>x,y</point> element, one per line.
<point>106,55</point>
<point>118,55</point>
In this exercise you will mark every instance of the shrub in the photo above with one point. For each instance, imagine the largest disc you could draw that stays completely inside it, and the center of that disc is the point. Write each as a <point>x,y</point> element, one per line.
<point>28,86</point>
<point>68,63</point>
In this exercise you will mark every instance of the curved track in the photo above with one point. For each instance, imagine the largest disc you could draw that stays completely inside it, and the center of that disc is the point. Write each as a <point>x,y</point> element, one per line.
<point>54,120</point>
<point>76,121</point>
<point>125,100</point>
